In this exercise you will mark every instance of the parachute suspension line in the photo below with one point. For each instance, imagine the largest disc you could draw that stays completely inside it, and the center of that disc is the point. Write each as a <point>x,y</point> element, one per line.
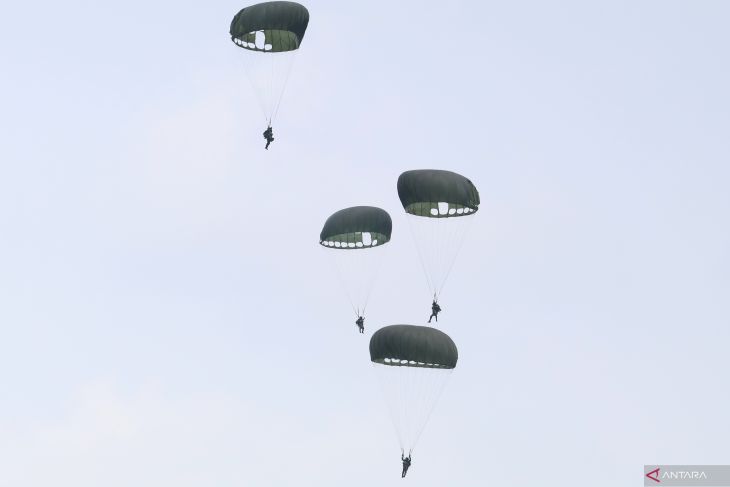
<point>439,240</point>
<point>459,237</point>
<point>286,82</point>
<point>412,403</point>
<point>465,224</point>
<point>393,403</point>
<point>260,97</point>
<point>357,270</point>
<point>371,283</point>
<point>430,391</point>
<point>446,254</point>
<point>411,224</point>
<point>359,311</point>
<point>428,404</point>
<point>343,285</point>
<point>374,268</point>
<point>272,78</point>
<point>433,260</point>
<point>275,75</point>
<point>442,237</point>
<point>268,73</point>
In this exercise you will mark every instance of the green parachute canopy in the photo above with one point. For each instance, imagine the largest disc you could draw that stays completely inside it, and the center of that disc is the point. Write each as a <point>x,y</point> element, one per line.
<point>270,26</point>
<point>435,193</point>
<point>413,346</point>
<point>356,227</point>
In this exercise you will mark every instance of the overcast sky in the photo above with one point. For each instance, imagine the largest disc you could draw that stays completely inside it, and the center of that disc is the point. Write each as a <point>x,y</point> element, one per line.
<point>167,317</point>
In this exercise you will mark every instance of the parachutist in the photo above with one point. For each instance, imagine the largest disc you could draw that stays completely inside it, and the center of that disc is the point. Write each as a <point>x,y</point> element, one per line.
<point>269,136</point>
<point>360,322</point>
<point>406,463</point>
<point>435,310</point>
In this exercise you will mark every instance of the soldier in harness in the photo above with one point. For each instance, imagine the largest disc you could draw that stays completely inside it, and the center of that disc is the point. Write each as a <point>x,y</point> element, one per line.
<point>435,310</point>
<point>269,136</point>
<point>406,463</point>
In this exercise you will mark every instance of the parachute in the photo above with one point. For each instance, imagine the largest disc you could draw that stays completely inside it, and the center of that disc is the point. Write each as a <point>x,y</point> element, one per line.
<point>439,206</point>
<point>413,364</point>
<point>271,34</point>
<point>354,237</point>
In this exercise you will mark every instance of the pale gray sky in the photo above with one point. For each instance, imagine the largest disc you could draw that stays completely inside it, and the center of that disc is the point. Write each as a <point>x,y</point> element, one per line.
<point>167,317</point>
